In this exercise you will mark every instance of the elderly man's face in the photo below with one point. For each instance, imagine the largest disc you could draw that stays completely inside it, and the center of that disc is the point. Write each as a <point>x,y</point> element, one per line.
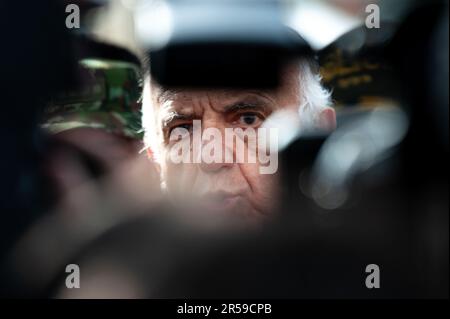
<point>222,187</point>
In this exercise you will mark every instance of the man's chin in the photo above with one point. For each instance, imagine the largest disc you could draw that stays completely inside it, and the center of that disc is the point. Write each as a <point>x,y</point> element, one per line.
<point>236,208</point>
<point>229,204</point>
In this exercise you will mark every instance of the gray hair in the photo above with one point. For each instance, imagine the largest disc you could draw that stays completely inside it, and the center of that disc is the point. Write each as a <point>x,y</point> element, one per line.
<point>313,96</point>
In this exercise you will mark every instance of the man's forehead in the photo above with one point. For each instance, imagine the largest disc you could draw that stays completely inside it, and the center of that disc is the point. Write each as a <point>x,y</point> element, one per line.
<point>163,94</point>
<point>183,99</point>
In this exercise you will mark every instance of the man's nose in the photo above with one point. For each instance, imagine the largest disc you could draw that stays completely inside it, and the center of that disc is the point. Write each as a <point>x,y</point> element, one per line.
<point>210,161</point>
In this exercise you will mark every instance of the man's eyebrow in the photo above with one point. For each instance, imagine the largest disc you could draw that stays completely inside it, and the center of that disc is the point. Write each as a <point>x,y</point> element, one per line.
<point>174,116</point>
<point>245,106</point>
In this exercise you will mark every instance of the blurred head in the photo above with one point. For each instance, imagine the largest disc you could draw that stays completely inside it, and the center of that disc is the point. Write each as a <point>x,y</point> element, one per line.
<point>93,125</point>
<point>174,117</point>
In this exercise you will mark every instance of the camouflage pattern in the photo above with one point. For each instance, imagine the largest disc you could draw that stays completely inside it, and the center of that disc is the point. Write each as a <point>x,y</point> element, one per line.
<point>109,99</point>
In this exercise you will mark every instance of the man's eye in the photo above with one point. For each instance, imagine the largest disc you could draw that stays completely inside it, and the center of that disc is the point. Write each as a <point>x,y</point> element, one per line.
<point>249,119</point>
<point>181,128</point>
<point>186,126</point>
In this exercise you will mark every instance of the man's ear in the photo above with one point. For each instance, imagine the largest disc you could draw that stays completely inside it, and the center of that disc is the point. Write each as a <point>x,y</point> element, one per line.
<point>151,157</point>
<point>149,153</point>
<point>327,119</point>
